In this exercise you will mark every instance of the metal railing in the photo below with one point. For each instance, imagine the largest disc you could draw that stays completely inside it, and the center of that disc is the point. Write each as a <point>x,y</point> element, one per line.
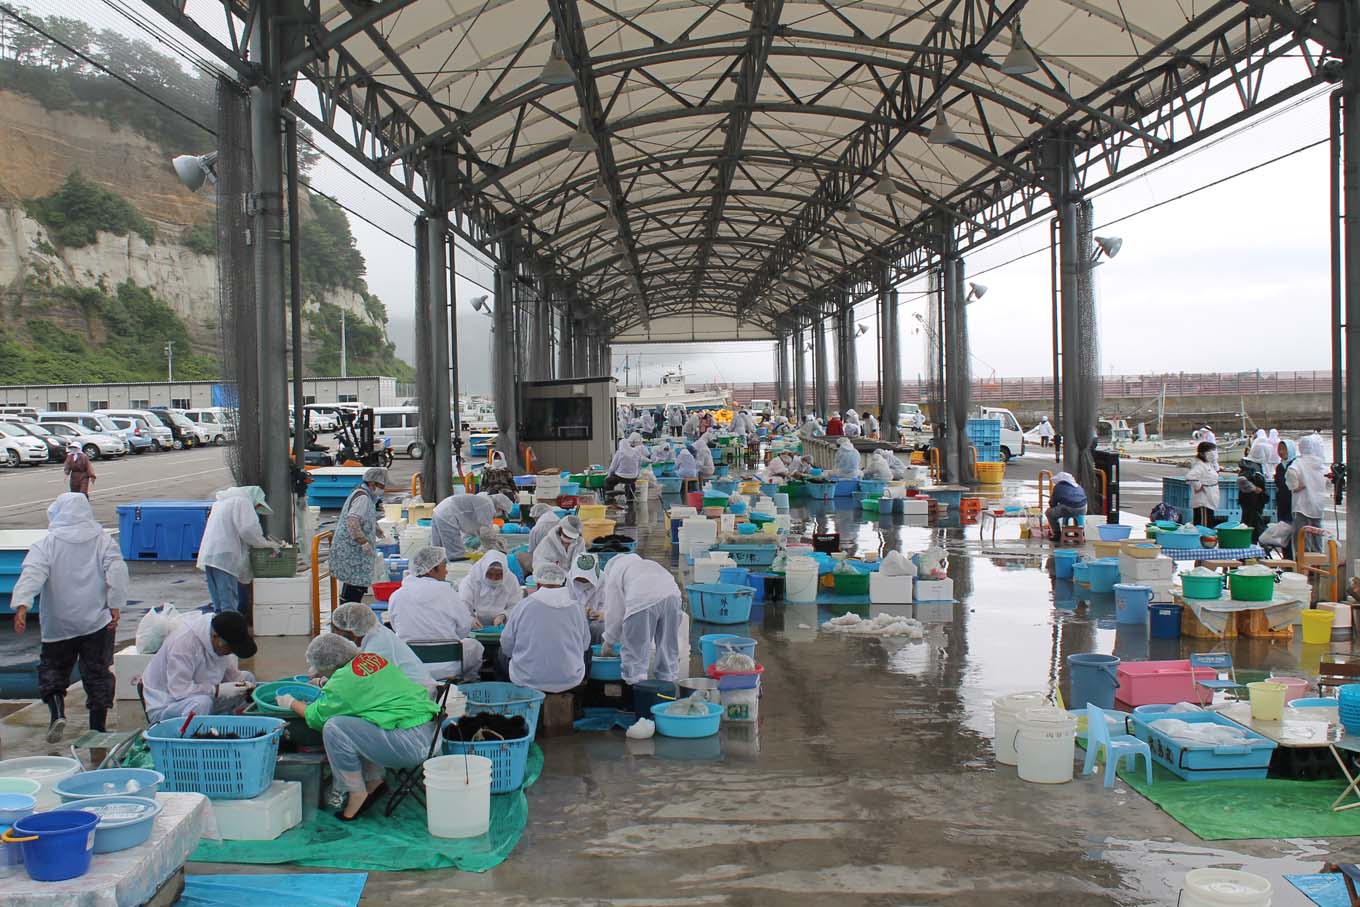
<point>324,535</point>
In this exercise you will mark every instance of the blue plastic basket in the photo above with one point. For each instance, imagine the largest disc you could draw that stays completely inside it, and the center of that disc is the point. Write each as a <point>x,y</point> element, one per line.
<point>218,769</point>
<point>670,484</point>
<point>504,699</point>
<point>508,758</point>
<point>720,603</point>
<point>1348,707</point>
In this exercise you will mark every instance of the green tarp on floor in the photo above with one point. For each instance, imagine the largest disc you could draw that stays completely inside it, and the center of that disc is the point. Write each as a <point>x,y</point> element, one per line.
<point>1243,810</point>
<point>377,843</point>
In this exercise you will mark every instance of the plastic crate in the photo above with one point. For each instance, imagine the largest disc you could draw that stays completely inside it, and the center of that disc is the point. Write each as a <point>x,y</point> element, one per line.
<point>984,430</point>
<point>1205,763</point>
<point>162,530</point>
<point>508,758</point>
<point>504,699</point>
<point>1149,682</point>
<point>270,563</point>
<point>218,769</point>
<point>330,486</point>
<point>1176,493</point>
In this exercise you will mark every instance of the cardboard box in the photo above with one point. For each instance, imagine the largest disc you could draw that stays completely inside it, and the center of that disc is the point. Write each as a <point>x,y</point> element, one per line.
<point>128,667</point>
<point>934,590</point>
<point>891,590</point>
<point>263,818</point>
<point>283,620</point>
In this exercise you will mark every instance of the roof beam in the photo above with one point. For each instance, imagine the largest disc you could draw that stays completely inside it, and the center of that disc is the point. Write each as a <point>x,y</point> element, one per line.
<point>322,41</point>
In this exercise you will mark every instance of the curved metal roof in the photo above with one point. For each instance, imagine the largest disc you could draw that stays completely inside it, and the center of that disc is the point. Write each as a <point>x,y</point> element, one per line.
<point>752,155</point>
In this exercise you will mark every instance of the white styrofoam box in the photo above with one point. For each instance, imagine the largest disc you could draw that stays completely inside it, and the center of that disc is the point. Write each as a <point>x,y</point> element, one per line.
<point>1138,570</point>
<point>128,665</point>
<point>934,590</point>
<point>917,506</point>
<point>264,818</point>
<point>283,620</point>
<point>741,706</point>
<point>890,590</point>
<point>934,612</point>
<point>292,590</point>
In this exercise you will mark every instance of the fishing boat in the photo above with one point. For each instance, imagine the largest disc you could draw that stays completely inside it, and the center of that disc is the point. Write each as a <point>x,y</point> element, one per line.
<point>673,391</point>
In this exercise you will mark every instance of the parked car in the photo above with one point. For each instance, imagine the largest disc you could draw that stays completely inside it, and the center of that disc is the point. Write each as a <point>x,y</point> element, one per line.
<point>128,430</point>
<point>23,412</point>
<point>92,421</point>
<point>217,421</point>
<point>190,429</point>
<point>399,427</point>
<point>150,424</point>
<point>18,448</point>
<point>56,445</point>
<point>95,444</point>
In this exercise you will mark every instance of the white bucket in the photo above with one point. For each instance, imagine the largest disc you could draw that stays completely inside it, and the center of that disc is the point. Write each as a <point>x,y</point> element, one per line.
<point>1007,710</point>
<point>458,793</point>
<point>800,580</point>
<point>412,539</point>
<point>1224,888</point>
<point>1341,615</point>
<point>1046,745</point>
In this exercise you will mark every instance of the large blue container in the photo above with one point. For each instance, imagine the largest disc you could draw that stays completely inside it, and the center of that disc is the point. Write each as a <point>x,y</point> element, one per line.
<point>1064,560</point>
<point>713,645</point>
<point>162,530</point>
<point>332,485</point>
<point>1164,621</point>
<point>846,488</point>
<point>1194,762</point>
<point>1093,680</point>
<point>11,565</point>
<point>1131,603</point>
<point>1104,574</point>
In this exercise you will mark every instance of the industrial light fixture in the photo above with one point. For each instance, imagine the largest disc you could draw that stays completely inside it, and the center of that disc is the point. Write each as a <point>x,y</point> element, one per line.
<point>620,248</point>
<point>556,71</point>
<point>1110,245</point>
<point>194,170</point>
<point>942,133</point>
<point>598,192</point>
<point>861,330</point>
<point>582,142</point>
<point>479,304</point>
<point>885,185</point>
<point>827,244</point>
<point>975,291</point>
<point>610,221</point>
<point>1021,59</point>
<point>852,216</point>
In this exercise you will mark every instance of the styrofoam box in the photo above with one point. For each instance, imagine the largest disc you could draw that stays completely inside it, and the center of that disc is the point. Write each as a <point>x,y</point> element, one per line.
<point>917,506</point>
<point>741,706</point>
<point>293,590</point>
<point>128,666</point>
<point>934,590</point>
<point>890,590</point>
<point>264,818</point>
<point>1138,570</point>
<point>283,620</point>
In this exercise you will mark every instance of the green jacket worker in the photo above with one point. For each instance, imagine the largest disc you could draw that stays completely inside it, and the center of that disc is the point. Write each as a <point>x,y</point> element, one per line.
<point>372,717</point>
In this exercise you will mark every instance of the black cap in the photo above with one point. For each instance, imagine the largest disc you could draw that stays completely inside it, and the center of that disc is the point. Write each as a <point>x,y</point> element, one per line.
<point>235,632</point>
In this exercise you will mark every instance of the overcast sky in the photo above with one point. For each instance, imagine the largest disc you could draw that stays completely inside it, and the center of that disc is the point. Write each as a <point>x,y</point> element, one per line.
<point>1232,278</point>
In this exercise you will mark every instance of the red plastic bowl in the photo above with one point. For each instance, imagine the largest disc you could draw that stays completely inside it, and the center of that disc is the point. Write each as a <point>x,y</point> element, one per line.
<point>383,591</point>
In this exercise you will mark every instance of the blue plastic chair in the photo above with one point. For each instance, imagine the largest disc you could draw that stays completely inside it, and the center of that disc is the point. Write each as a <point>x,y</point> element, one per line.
<point>1117,747</point>
<point>1221,663</point>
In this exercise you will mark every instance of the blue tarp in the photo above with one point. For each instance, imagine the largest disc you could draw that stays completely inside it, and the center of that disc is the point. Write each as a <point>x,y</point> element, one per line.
<point>296,889</point>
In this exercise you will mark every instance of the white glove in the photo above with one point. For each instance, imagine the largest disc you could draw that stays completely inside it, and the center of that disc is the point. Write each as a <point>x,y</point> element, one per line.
<point>276,544</point>
<point>231,688</point>
<point>284,701</point>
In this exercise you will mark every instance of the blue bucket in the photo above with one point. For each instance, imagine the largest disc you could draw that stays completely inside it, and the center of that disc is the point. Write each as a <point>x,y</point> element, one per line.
<point>14,807</point>
<point>1131,603</point>
<point>735,576</point>
<point>1063,562</point>
<point>709,649</point>
<point>1093,680</point>
<point>61,846</point>
<point>1104,574</point>
<point>1165,622</point>
<point>757,582</point>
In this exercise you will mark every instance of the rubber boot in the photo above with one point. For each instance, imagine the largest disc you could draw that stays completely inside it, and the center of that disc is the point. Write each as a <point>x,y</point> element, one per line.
<point>56,707</point>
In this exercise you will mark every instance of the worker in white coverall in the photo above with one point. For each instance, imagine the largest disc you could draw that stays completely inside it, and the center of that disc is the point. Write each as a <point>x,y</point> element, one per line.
<point>462,515</point>
<point>641,609</point>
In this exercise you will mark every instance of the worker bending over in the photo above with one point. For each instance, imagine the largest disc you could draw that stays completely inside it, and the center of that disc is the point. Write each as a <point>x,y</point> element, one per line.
<point>561,545</point>
<point>233,528</point>
<point>460,516</point>
<point>641,609</point>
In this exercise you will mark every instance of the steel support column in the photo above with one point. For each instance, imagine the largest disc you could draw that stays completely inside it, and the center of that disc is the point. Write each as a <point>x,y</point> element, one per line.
<point>503,364</point>
<point>889,358</point>
<point>956,380</point>
<point>821,382</point>
<point>1351,255</point>
<point>455,416</point>
<point>781,374</point>
<point>266,115</point>
<point>847,371</point>
<point>425,392</point>
<point>799,373</point>
<point>566,346</point>
<point>437,468</point>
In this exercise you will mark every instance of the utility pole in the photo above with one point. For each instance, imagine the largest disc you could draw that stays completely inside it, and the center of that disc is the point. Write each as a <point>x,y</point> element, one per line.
<point>170,361</point>
<point>344,372</point>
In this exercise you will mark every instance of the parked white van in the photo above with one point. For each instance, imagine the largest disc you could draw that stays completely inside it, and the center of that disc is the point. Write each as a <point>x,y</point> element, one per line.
<point>400,427</point>
<point>1012,436</point>
<point>217,421</point>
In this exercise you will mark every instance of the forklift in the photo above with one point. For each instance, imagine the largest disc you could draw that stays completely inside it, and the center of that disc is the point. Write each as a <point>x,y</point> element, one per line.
<point>358,441</point>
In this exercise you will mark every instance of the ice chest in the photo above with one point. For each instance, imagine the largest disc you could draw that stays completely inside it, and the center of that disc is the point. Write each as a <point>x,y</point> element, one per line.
<point>261,818</point>
<point>1205,763</point>
<point>162,530</point>
<point>128,666</point>
<point>1146,682</point>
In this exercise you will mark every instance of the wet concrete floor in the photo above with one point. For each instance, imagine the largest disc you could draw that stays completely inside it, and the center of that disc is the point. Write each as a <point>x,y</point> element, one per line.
<point>870,778</point>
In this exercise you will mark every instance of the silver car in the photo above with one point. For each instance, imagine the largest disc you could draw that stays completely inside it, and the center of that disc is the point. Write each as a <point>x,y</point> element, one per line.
<point>95,444</point>
<point>18,447</point>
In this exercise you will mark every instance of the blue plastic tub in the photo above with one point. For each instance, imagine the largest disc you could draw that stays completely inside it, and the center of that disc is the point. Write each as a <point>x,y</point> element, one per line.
<point>669,484</point>
<point>602,667</point>
<point>770,489</point>
<point>751,554</point>
<point>872,487</point>
<point>821,491</point>
<point>734,576</point>
<point>945,497</point>
<point>62,843</point>
<point>107,782</point>
<point>1064,560</point>
<point>1206,763</point>
<point>737,508</point>
<point>525,481</point>
<point>14,807</point>
<point>1114,532</point>
<point>687,725</point>
<point>720,603</point>
<point>709,649</point>
<point>846,488</point>
<point>757,583</point>
<point>1164,621</point>
<point>1178,540</point>
<point>1081,573</point>
<point>1131,602</point>
<point>1093,680</point>
<point>114,834</point>
<point>1104,574</point>
<point>724,486</point>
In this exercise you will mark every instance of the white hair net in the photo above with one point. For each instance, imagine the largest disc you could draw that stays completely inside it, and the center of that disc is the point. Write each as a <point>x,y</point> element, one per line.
<point>329,653</point>
<point>539,510</point>
<point>376,475</point>
<point>426,559</point>
<point>550,574</point>
<point>571,526</point>
<point>503,503</point>
<point>354,617</point>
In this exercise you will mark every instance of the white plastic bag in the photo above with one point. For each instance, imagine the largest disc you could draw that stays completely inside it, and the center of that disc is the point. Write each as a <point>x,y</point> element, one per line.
<point>1277,535</point>
<point>642,729</point>
<point>155,626</point>
<point>895,563</point>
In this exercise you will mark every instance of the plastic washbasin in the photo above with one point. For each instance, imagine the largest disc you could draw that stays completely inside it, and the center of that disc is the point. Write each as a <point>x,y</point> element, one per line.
<point>720,603</point>
<point>687,725</point>
<point>1234,538</point>
<point>114,834</point>
<point>601,667</point>
<point>265,694</point>
<point>1251,588</point>
<point>1114,532</point>
<point>1202,586</point>
<point>85,785</point>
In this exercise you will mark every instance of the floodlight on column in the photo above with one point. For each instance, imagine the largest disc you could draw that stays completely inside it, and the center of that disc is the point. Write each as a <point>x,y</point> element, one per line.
<point>1110,245</point>
<point>599,192</point>
<point>852,216</point>
<point>827,244</point>
<point>194,170</point>
<point>975,291</point>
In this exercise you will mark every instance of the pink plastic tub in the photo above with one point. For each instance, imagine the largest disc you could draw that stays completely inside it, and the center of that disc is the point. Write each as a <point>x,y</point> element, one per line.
<point>1148,682</point>
<point>1294,687</point>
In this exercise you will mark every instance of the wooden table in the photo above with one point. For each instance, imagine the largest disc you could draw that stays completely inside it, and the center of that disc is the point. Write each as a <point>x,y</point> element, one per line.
<point>1282,609</point>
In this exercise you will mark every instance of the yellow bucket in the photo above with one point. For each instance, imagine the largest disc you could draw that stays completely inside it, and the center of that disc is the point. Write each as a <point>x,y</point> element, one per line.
<point>393,512</point>
<point>1267,700</point>
<point>419,512</point>
<point>590,512</point>
<point>991,473</point>
<point>593,529</point>
<point>749,488</point>
<point>1317,627</point>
